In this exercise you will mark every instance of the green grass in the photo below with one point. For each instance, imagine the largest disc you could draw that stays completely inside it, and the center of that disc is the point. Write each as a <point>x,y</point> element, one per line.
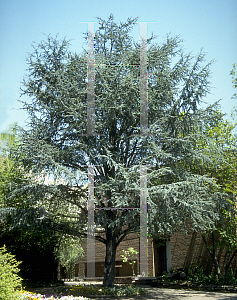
<point>97,289</point>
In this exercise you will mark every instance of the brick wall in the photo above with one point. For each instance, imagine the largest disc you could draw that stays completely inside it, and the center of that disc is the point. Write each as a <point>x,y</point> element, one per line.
<point>188,250</point>
<point>122,269</point>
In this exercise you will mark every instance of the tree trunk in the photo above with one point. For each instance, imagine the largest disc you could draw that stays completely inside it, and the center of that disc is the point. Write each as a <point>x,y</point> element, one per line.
<point>217,268</point>
<point>228,263</point>
<point>59,275</point>
<point>109,270</point>
<point>213,254</point>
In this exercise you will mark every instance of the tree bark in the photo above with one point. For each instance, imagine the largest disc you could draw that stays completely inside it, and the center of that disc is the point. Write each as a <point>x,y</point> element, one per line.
<point>217,268</point>
<point>109,270</point>
<point>213,254</point>
<point>59,275</point>
<point>228,263</point>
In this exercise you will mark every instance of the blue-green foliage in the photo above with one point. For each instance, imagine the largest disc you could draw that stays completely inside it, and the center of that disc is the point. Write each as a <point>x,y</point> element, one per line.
<point>56,143</point>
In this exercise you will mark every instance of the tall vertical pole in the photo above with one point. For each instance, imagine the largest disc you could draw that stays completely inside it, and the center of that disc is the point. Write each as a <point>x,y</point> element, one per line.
<point>90,229</point>
<point>143,131</point>
<point>90,132</point>
<point>143,221</point>
<point>91,81</point>
<point>143,80</point>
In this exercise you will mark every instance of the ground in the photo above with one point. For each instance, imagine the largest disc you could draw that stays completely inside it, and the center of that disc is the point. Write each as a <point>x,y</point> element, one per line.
<point>155,293</point>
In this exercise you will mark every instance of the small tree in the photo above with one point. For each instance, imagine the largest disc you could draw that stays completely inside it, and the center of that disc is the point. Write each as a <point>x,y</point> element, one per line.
<point>10,282</point>
<point>128,257</point>
<point>68,253</point>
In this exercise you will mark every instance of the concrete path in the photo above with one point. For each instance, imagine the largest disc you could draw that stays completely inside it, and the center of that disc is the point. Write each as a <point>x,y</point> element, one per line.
<point>172,294</point>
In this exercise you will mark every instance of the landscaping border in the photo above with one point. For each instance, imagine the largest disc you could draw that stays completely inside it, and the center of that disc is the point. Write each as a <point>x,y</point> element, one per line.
<point>194,286</point>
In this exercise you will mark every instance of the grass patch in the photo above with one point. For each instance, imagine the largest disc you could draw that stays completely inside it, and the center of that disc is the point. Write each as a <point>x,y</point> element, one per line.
<point>85,290</point>
<point>98,289</point>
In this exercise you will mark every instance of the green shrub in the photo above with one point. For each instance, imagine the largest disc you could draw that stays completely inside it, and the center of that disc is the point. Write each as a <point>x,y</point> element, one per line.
<point>230,278</point>
<point>10,282</point>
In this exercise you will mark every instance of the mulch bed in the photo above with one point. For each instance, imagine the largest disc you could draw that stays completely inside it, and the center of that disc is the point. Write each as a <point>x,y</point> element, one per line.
<point>180,284</point>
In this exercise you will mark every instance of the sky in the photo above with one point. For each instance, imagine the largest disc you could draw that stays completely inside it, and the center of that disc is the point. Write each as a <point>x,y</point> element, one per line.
<point>210,25</point>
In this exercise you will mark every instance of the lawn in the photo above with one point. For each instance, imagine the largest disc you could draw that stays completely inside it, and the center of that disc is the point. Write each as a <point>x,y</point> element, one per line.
<point>83,292</point>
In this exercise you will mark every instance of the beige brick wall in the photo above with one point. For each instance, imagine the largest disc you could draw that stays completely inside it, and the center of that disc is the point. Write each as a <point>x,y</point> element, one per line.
<point>188,250</point>
<point>185,251</point>
<point>131,240</point>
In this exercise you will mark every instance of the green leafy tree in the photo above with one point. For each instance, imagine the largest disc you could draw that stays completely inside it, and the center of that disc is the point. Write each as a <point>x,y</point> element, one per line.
<point>57,143</point>
<point>226,178</point>
<point>10,282</point>
<point>128,257</point>
<point>234,78</point>
<point>33,236</point>
<point>68,253</point>
<point>229,234</point>
<point>224,171</point>
<point>8,173</point>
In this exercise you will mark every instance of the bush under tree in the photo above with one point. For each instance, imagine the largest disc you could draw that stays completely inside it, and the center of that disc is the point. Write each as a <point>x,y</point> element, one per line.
<point>10,282</point>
